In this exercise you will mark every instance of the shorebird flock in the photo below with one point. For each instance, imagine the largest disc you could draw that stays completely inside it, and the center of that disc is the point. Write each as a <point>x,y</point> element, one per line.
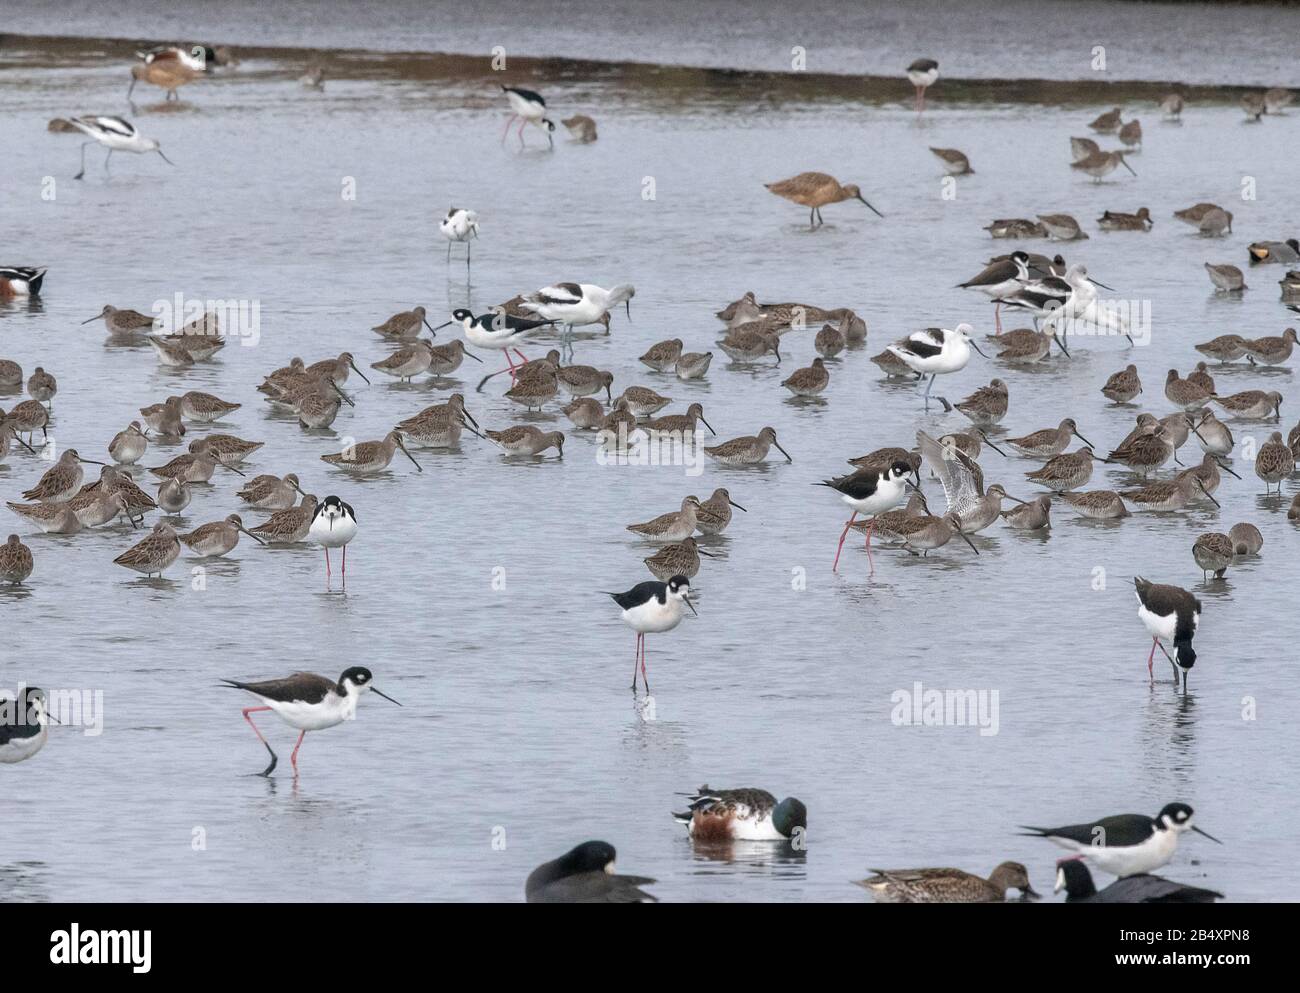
<point>885,491</point>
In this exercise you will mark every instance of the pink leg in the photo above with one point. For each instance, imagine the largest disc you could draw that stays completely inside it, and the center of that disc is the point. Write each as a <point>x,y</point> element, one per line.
<point>922,99</point>
<point>844,535</point>
<point>870,527</point>
<point>327,563</point>
<point>509,120</point>
<point>522,357</point>
<point>997,315</point>
<point>644,679</point>
<point>1151,659</point>
<point>253,710</point>
<point>636,660</point>
<point>522,122</point>
<point>293,759</point>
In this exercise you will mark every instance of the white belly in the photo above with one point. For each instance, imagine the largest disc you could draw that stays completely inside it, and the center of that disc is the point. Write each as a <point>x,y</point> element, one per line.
<point>1157,626</point>
<point>653,616</point>
<point>20,749</point>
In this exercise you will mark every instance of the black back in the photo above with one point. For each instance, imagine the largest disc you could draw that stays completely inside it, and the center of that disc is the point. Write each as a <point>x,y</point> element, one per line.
<point>21,722</point>
<point>528,95</point>
<point>641,593</point>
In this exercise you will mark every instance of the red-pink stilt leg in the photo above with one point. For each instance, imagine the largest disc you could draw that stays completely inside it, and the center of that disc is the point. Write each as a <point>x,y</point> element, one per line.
<point>327,563</point>
<point>1151,659</point>
<point>253,710</point>
<point>293,759</point>
<point>345,560</point>
<point>522,122</point>
<point>636,660</point>
<point>644,678</point>
<point>522,357</point>
<point>997,315</point>
<point>844,535</point>
<point>870,527</point>
<point>509,120</point>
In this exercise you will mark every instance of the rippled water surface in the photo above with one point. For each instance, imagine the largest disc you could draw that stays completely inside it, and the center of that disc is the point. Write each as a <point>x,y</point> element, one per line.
<point>517,722</point>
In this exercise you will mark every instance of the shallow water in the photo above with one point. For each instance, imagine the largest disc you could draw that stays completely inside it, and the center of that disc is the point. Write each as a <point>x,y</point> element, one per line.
<point>517,721</point>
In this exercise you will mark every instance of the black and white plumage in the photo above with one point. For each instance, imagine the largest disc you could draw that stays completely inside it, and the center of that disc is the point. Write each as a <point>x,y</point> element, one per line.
<point>1002,278</point>
<point>935,352</point>
<point>585,874</point>
<point>334,525</point>
<point>651,608</point>
<point>1172,614</point>
<point>744,814</point>
<point>922,74</point>
<point>460,225</point>
<point>1125,844</point>
<point>26,725</point>
<point>117,134</point>
<point>530,108</point>
<point>21,281</point>
<point>1073,877</point>
<point>870,491</point>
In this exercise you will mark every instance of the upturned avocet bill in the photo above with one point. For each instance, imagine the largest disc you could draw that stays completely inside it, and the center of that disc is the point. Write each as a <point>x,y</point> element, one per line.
<point>649,608</point>
<point>333,526</point>
<point>1125,844</point>
<point>935,352</point>
<point>117,135</point>
<point>308,702</point>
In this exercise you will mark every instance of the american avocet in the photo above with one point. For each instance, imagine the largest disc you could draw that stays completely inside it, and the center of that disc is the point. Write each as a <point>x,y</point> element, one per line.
<point>1254,405</point>
<point>948,885</point>
<point>935,352</point>
<point>1126,844</point>
<point>217,538</point>
<point>115,134</point>
<point>1226,278</point>
<point>371,456</point>
<point>581,127</point>
<point>651,608</point>
<point>289,526</point>
<point>955,163</point>
<point>460,225</point>
<point>1274,461</point>
<point>1284,252</point>
<point>334,526</point>
<point>61,481</point>
<point>1062,227</point>
<point>1080,305</point>
<point>869,491</point>
<point>1073,877</point>
<point>1213,552</point>
<point>404,325</point>
<point>577,304</point>
<point>922,74</point>
<point>16,565</point>
<point>530,108</point>
<point>744,814</point>
<point>1113,220</point>
<point>25,734</point>
<point>495,330</point>
<point>1246,539</point>
<point>308,702</point>
<point>21,281</point>
<point>1273,350</point>
<point>815,190</point>
<point>714,514</point>
<point>585,875</point>
<point>155,553</point>
<point>1101,164</point>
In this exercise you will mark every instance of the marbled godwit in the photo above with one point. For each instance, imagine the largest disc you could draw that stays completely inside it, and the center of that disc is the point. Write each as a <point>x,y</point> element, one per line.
<point>651,608</point>
<point>404,325</point>
<point>1101,505</point>
<point>371,456</point>
<point>673,526</point>
<point>1101,164</point>
<point>1122,386</point>
<point>810,380</point>
<point>1273,350</point>
<point>168,74</point>
<point>1226,278</point>
<point>1107,123</point>
<point>815,190</point>
<point>663,355</point>
<point>948,885</point>
<point>1274,461</point>
<point>1169,613</point>
<point>289,527</point>
<point>271,492</point>
<point>1062,227</point>
<point>529,107</point>
<point>747,450</point>
<point>714,514</point>
<point>1248,404</point>
<point>61,481</point>
<point>459,226</point>
<point>524,439</point>
<point>954,162</point>
<point>585,874</point>
<point>1225,348</point>
<point>922,74</point>
<point>334,526</point>
<point>307,702</point>
<point>16,565</point>
<point>1113,220</point>
<point>155,553</point>
<point>581,128</point>
<point>742,815</point>
<point>439,426</point>
<point>218,538</point>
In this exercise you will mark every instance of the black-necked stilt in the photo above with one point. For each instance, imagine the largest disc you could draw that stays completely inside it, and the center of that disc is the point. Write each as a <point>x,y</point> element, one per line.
<point>651,608</point>
<point>745,814</point>
<point>1171,614</point>
<point>495,330</point>
<point>935,352</point>
<point>25,725</point>
<point>922,74</point>
<point>21,281</point>
<point>578,304</point>
<point>1000,279</point>
<point>530,108</point>
<point>870,491</point>
<point>460,225</point>
<point>308,702</point>
<point>815,190</point>
<point>1126,844</point>
<point>334,526</point>
<point>1073,877</point>
<point>948,885</point>
<point>585,875</point>
<point>117,135</point>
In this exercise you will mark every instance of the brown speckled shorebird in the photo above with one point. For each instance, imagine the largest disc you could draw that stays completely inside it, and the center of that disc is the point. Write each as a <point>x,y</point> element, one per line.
<point>1062,227</point>
<point>714,514</point>
<point>1274,461</point>
<point>1226,278</point>
<point>883,458</point>
<point>1028,348</point>
<point>439,426</point>
<point>1032,516</point>
<point>1146,452</point>
<point>1107,123</point>
<point>581,128</point>
<point>289,527</point>
<point>947,885</point>
<point>1123,386</point>
<point>1100,505</point>
<point>170,354</point>
<point>446,359</point>
<point>679,559</point>
<point>8,435</point>
<point>137,502</point>
<point>227,447</point>
<point>165,417</point>
<point>1254,405</point>
<point>204,407</point>
<point>830,341</point>
<point>129,446</point>
<point>747,346</point>
<point>1113,220</point>
<point>155,553</point>
<point>524,439</point>
<point>1067,471</point>
<point>535,389</point>
<point>1213,553</point>
<point>16,561</point>
<point>1293,439</point>
<point>1201,377</point>
<point>42,386</point>
<point>585,413</point>
<point>403,325</point>
<point>1254,106</point>
<point>121,323</point>
<point>408,361</point>
<point>921,535</point>
<point>894,367</point>
<point>101,503</point>
<point>585,380</point>
<point>1101,164</point>
<point>275,384</point>
<point>954,162</point>
<point>1049,441</point>
<point>643,401</point>
<point>662,356</point>
<point>1196,213</point>
<point>1225,348</point>
<point>338,369</point>
<point>1246,539</point>
<point>1273,350</point>
<point>195,466</point>
<point>672,526</point>
<point>620,419</point>
<point>174,495</point>
<point>1277,99</point>
<point>11,374</point>
<point>61,481</point>
<point>810,380</point>
<point>1184,393</point>
<point>27,416</point>
<point>1209,471</point>
<point>1081,148</point>
<point>684,424</point>
<point>890,527</point>
<point>1168,495</point>
<point>1213,435</point>
<point>271,492</point>
<point>1130,133</point>
<point>217,538</point>
<point>52,518</point>
<point>815,190</point>
<point>1216,223</point>
<point>987,405</point>
<point>748,449</point>
<point>371,456</point>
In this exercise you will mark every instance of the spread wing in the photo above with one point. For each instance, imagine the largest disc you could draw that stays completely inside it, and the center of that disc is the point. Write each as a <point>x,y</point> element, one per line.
<point>960,475</point>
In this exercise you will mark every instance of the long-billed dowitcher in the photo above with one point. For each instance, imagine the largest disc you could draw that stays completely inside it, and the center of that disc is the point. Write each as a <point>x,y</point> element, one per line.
<point>195,466</point>
<point>1273,350</point>
<point>1062,227</point>
<point>883,458</point>
<point>1185,393</point>
<point>584,380</point>
<point>204,407</point>
<point>371,456</point>
<point>662,356</point>
<point>525,439</point>
<point>830,341</point>
<point>810,380</point>
<point>1032,516</point>
<point>403,325</point>
<point>1107,123</point>
<point>746,346</point>
<point>1067,471</point>
<point>271,492</point>
<point>869,491</point>
<point>8,435</point>
<point>16,564</point>
<point>1131,844</point>
<point>1147,451</point>
<point>11,374</point>
<point>174,495</point>
<point>1098,165</point>
<point>1216,223</point>
<point>815,190</point>
<point>120,322</point>
<point>673,526</point>
<point>1274,461</point>
<point>1123,386</point>
<point>1113,220</point>
<point>585,874</point>
<point>62,480</point>
<point>42,386</point>
<point>620,420</point>
<point>955,163</point>
<point>217,538</point>
<point>714,514</point>
<point>1256,405</point>
<point>155,553</point>
<point>408,361</point>
<point>308,702</point>
<point>27,416</point>
<point>129,446</point>
<point>584,412</point>
<point>1171,614</point>
<point>1225,348</point>
<point>1277,99</point>
<point>165,417</point>
<point>1293,511</point>
<point>1285,252</point>
<point>747,449</point>
<point>1130,133</point>
<point>290,526</point>
<point>987,405</point>
<point>683,424</point>
<point>1100,505</point>
<point>744,814</point>
<point>170,354</point>
<point>643,401</point>
<point>334,526</point>
<point>921,535</point>
<point>581,128</point>
<point>337,369</point>
<point>229,449</point>
<point>1172,105</point>
<point>1168,495</point>
<point>1226,278</point>
<point>894,367</point>
<point>962,479</point>
<point>99,503</point>
<point>439,426</point>
<point>1081,148</point>
<point>1208,471</point>
<point>679,559</point>
<point>1073,877</point>
<point>948,885</point>
<point>52,518</point>
<point>1213,552</point>
<point>318,404</point>
<point>1246,539</point>
<point>536,389</point>
<point>136,501</point>
<point>446,359</point>
<point>936,352</point>
<point>651,608</point>
<point>1049,441</point>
